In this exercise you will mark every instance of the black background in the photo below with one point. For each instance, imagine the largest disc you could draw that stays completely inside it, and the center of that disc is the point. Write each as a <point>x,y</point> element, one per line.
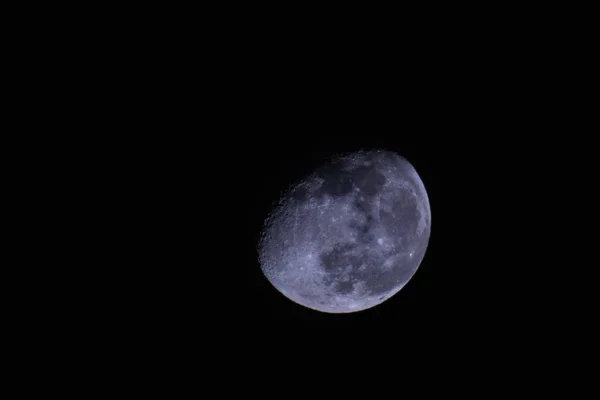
<point>181,135</point>
<point>210,196</point>
<point>209,162</point>
<point>192,281</point>
<point>200,155</point>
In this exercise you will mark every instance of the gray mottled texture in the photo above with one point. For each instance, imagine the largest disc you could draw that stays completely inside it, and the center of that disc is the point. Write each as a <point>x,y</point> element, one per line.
<point>350,235</point>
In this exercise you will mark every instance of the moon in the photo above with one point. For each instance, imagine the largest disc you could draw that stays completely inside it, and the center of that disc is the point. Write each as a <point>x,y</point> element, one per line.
<point>350,235</point>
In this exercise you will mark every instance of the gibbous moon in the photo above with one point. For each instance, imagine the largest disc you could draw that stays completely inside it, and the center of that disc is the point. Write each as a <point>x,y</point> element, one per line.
<point>350,235</point>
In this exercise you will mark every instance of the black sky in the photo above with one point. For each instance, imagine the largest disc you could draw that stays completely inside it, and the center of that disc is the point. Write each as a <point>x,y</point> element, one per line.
<point>232,190</point>
<point>206,173</point>
<point>190,139</point>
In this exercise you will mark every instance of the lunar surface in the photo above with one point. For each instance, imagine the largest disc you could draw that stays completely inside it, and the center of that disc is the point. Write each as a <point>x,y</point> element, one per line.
<point>350,235</point>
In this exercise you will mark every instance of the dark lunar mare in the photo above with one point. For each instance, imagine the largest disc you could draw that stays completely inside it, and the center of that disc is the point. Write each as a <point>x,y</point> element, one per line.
<point>342,178</point>
<point>340,181</point>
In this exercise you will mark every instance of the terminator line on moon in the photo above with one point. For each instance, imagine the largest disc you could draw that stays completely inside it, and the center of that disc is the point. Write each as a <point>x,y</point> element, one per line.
<point>350,235</point>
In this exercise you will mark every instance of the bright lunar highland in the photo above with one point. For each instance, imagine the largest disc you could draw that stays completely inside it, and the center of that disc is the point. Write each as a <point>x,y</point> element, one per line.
<point>350,235</point>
